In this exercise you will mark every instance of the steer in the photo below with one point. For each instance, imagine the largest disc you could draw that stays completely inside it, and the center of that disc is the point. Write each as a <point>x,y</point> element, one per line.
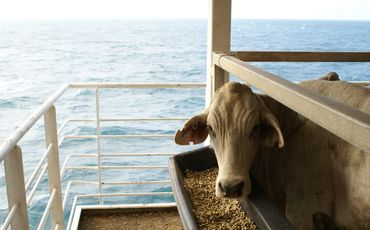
<point>316,178</point>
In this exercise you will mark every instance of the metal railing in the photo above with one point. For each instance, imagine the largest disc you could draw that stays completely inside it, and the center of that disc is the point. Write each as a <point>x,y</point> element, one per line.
<point>346,122</point>
<point>11,155</point>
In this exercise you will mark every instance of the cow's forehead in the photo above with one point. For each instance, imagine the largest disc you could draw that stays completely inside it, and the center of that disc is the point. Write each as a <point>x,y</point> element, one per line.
<point>229,107</point>
<point>234,97</point>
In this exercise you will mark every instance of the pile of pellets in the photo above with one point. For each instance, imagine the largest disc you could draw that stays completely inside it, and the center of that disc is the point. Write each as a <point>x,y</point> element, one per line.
<point>212,212</point>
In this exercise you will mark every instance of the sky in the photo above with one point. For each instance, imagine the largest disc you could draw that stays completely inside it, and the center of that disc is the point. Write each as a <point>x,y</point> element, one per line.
<point>122,9</point>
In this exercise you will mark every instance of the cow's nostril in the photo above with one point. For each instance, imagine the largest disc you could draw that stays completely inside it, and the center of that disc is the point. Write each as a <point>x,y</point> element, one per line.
<point>238,188</point>
<point>234,190</point>
<point>221,188</point>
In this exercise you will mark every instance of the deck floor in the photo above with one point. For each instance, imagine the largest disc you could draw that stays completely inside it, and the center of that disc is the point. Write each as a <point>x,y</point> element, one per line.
<point>164,219</point>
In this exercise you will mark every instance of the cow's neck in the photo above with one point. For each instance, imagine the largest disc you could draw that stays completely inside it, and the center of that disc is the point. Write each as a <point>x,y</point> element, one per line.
<point>289,120</point>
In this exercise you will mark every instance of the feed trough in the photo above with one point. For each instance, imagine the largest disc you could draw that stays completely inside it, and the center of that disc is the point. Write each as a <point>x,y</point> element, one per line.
<point>259,208</point>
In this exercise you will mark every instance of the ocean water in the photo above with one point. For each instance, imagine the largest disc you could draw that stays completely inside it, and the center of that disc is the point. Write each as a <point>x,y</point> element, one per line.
<point>37,57</point>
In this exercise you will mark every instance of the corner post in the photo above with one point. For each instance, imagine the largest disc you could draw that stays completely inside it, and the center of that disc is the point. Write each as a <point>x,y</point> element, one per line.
<point>14,177</point>
<point>51,138</point>
<point>219,28</point>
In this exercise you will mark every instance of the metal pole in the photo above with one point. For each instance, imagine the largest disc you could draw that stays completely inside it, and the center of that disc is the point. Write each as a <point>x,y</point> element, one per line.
<point>98,143</point>
<point>15,188</point>
<point>51,137</point>
<point>219,26</point>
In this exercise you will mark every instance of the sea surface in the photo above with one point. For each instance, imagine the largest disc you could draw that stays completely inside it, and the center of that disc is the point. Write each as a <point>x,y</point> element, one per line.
<point>38,57</point>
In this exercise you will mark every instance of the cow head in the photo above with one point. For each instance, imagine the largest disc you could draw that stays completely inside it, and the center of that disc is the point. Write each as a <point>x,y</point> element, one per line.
<point>238,123</point>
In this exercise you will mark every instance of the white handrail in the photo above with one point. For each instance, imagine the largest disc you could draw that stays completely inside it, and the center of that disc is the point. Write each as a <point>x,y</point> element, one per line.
<point>8,144</point>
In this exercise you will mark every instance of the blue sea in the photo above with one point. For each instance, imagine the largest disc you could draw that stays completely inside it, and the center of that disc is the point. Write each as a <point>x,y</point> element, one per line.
<point>37,57</point>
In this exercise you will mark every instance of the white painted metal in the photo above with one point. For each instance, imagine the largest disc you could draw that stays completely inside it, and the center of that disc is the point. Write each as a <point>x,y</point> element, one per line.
<point>62,126</point>
<point>126,194</point>
<point>114,167</point>
<point>97,111</point>
<point>149,85</point>
<point>36,185</point>
<point>62,171</point>
<point>219,27</point>
<point>136,182</point>
<point>8,144</point>
<point>16,192</point>
<point>51,138</point>
<point>47,210</point>
<point>52,143</point>
<point>9,217</point>
<point>15,189</point>
<point>122,154</point>
<point>70,183</point>
<point>119,136</point>
<point>71,214</point>
<point>38,167</point>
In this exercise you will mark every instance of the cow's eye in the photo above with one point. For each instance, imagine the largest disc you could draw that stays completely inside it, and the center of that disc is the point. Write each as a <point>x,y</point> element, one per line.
<point>211,131</point>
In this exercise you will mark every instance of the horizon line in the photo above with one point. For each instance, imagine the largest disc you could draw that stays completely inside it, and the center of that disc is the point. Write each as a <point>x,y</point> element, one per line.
<point>173,18</point>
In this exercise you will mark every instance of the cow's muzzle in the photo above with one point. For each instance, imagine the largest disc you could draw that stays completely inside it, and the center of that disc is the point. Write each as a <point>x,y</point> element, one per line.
<point>231,190</point>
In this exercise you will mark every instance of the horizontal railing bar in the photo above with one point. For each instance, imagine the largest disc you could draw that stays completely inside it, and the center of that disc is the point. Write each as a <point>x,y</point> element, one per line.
<point>9,218</point>
<point>80,137</point>
<point>125,206</point>
<point>36,185</point>
<point>38,167</point>
<point>128,119</point>
<point>115,167</point>
<point>9,143</point>
<point>137,154</point>
<point>125,194</point>
<point>69,185</point>
<point>152,85</point>
<point>301,56</point>
<point>123,155</point>
<point>135,167</point>
<point>47,210</point>
<point>144,119</point>
<point>348,123</point>
<point>136,182</point>
<point>120,136</point>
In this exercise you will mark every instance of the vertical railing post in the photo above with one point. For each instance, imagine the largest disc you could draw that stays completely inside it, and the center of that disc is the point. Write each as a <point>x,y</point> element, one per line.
<point>219,26</point>
<point>51,138</point>
<point>15,188</point>
<point>97,110</point>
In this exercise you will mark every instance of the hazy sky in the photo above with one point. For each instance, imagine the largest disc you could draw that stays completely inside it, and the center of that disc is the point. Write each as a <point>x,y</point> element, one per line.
<point>112,9</point>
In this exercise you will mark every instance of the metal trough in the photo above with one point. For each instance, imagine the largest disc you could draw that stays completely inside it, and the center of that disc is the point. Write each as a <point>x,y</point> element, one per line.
<point>260,208</point>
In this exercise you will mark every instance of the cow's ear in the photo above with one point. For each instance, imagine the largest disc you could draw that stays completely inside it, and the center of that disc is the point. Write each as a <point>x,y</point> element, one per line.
<point>268,131</point>
<point>194,131</point>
